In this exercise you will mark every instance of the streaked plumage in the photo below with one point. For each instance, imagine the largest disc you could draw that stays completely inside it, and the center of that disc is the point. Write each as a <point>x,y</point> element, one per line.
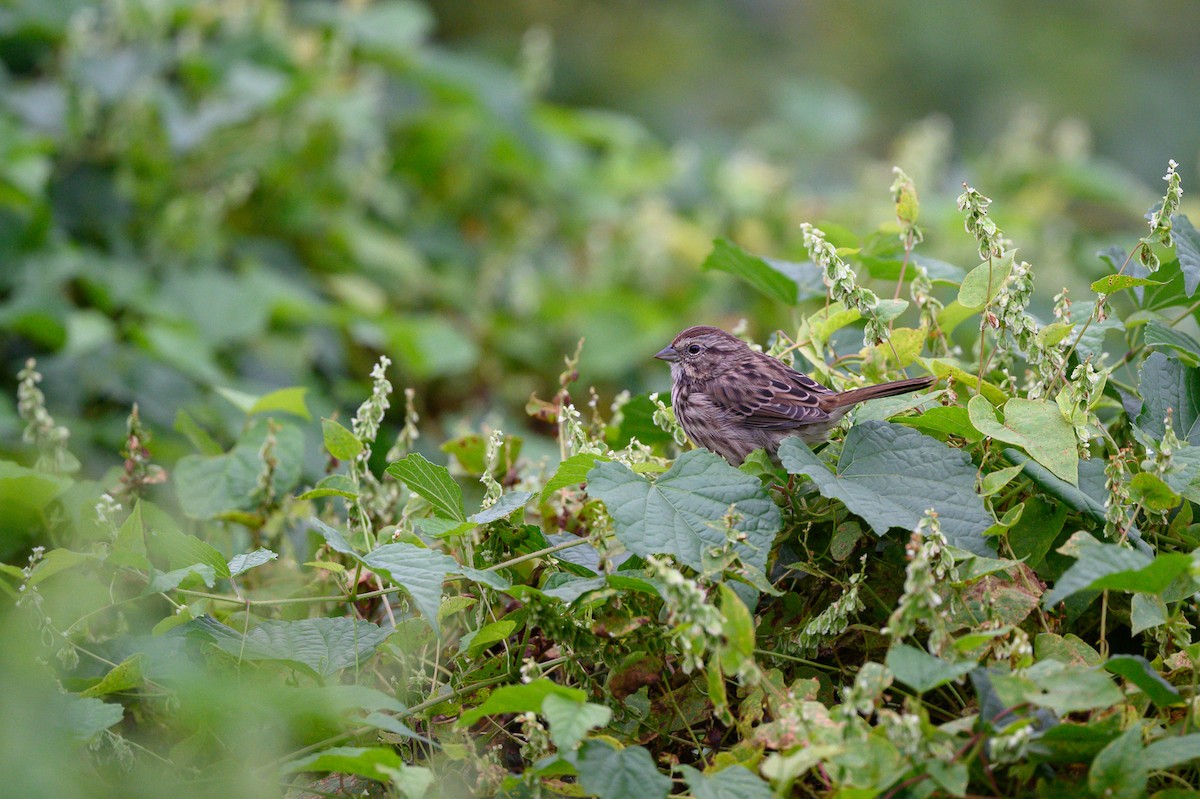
<point>732,400</point>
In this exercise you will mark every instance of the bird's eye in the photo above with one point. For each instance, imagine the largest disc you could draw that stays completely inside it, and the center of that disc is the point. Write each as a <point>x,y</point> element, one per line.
<point>694,349</point>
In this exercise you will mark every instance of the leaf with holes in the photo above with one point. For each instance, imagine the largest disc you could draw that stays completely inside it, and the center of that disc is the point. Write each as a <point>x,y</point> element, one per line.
<point>680,512</point>
<point>874,477</point>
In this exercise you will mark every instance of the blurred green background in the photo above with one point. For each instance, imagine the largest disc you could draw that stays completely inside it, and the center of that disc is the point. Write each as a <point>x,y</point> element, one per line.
<point>202,195</point>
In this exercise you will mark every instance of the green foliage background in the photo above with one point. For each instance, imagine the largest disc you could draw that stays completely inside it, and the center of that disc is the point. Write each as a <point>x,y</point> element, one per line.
<point>226,213</point>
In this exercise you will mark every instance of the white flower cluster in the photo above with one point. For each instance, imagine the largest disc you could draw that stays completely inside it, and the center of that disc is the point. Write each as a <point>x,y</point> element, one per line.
<point>842,282</point>
<point>1160,220</point>
<point>696,623</point>
<point>830,622</point>
<point>929,563</point>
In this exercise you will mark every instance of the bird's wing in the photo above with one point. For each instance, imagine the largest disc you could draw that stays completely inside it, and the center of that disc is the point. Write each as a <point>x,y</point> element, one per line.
<point>768,395</point>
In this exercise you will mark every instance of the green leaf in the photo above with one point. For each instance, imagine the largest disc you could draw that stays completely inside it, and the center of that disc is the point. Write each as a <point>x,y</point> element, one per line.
<point>471,451</point>
<point>1110,284</point>
<point>1166,384</point>
<point>126,675</point>
<point>239,564</point>
<point>520,698</point>
<point>1187,250</point>
<point>737,630</point>
<point>785,768</point>
<point>1112,566</point>
<point>994,481</point>
<point>1149,490</point>
<point>419,571</point>
<point>288,400</point>
<point>952,420</point>
<point>734,782</point>
<point>87,717</point>
<point>1145,612</point>
<point>1186,348</point>
<point>728,257</point>
<point>1120,770</point>
<point>1138,671</point>
<point>340,442</point>
<point>573,471</point>
<point>363,761</point>
<point>983,283</point>
<point>824,323</point>
<point>922,671</point>
<point>876,479</point>
<point>1063,689</point>
<point>432,482</point>
<point>182,550</point>
<point>337,542</point>
<point>1034,533</point>
<point>507,505</point>
<point>571,720</point>
<point>169,581</point>
<point>627,773</point>
<point>1088,497</point>
<point>1176,750</point>
<point>211,485</point>
<point>186,426</point>
<point>1037,426</point>
<point>318,647</point>
<point>680,512</point>
<point>475,642</point>
<point>1053,333</point>
<point>332,485</point>
<point>56,561</point>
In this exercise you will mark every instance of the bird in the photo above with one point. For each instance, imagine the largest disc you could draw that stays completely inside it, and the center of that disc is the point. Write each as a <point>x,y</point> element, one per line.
<point>732,400</point>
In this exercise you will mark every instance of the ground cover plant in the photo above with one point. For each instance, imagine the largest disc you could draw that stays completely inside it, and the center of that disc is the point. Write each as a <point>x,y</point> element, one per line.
<point>261,536</point>
<point>984,589</point>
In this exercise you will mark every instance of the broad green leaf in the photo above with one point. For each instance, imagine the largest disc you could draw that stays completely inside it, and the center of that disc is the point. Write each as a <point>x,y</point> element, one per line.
<point>240,564</point>
<point>1168,385</point>
<point>571,720</point>
<point>1069,649</point>
<point>573,471</point>
<point>680,512</point>
<point>130,547</point>
<point>340,442</point>
<point>737,630</point>
<point>1037,426</point>
<point>1146,611</point>
<point>478,640</point>
<point>419,571</point>
<point>211,485</point>
<point>734,782</point>
<point>728,257</point>
<point>363,761</point>
<point>1138,671</point>
<point>568,587</point>
<point>994,481</point>
<point>87,717</point>
<point>337,542</point>
<point>785,768</point>
<point>332,485</point>
<point>127,674</point>
<point>951,420</point>
<point>169,581</point>
<point>56,561</point>
<point>1087,497</point>
<point>1063,689</point>
<point>520,698</point>
<point>432,482</point>
<point>627,773</point>
<point>983,283</point>
<point>827,321</point>
<point>1120,770</point>
<point>1034,533</point>
<point>922,671</point>
<point>1186,348</point>
<point>505,506</point>
<point>887,310</point>
<point>186,426</point>
<point>1149,490</point>
<point>1110,284</point>
<point>1187,250</point>
<point>289,400</point>
<point>953,315</point>
<point>319,647</point>
<point>1112,566</point>
<point>876,479</point>
<point>1054,333</point>
<point>182,550</point>
<point>1175,750</point>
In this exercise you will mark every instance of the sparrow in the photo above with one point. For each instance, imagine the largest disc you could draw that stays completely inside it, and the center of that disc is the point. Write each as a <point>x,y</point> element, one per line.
<point>732,400</point>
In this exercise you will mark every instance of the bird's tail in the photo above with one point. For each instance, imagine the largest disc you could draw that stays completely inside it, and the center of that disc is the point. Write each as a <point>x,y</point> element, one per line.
<point>857,395</point>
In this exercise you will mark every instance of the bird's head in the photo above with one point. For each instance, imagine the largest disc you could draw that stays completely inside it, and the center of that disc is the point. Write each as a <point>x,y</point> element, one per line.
<point>702,353</point>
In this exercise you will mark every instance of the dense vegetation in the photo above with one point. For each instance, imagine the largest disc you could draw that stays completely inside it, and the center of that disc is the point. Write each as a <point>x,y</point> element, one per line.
<point>234,561</point>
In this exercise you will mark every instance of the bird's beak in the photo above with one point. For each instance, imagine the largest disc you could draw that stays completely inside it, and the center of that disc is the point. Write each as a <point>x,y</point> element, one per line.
<point>667,353</point>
